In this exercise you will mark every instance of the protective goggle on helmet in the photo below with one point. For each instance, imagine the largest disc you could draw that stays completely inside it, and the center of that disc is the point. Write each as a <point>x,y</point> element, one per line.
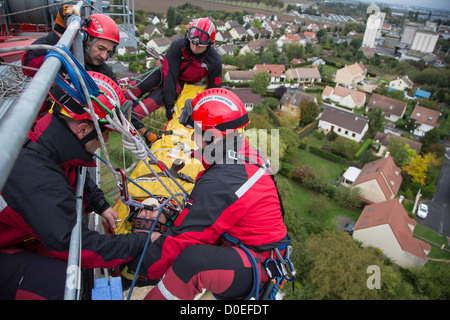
<point>202,32</point>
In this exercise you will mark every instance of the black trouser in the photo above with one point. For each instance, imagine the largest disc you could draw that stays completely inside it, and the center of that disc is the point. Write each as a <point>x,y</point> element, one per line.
<point>225,271</point>
<point>30,276</point>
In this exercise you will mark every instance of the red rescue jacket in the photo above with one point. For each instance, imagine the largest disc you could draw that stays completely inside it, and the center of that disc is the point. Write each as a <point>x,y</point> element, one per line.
<point>38,201</point>
<point>254,217</point>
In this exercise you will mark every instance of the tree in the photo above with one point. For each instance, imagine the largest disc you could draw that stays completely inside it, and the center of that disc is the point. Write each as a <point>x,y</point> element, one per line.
<point>294,50</point>
<point>376,121</point>
<point>344,147</point>
<point>430,137</point>
<point>419,167</point>
<point>171,17</point>
<point>309,110</point>
<point>335,267</point>
<point>399,150</point>
<point>260,82</point>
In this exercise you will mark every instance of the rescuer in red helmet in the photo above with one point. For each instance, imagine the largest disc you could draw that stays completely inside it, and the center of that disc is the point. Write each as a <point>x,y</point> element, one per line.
<point>188,60</point>
<point>100,39</point>
<point>38,201</point>
<point>235,195</point>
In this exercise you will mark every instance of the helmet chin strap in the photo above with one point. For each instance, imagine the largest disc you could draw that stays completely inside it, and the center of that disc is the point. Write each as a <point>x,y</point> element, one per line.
<point>90,136</point>
<point>87,49</point>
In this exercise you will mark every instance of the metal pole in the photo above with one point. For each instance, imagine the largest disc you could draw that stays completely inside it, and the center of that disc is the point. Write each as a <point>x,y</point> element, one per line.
<point>18,120</point>
<point>73,274</point>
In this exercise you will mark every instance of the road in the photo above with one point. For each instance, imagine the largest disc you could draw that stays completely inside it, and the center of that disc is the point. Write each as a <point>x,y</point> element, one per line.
<point>438,218</point>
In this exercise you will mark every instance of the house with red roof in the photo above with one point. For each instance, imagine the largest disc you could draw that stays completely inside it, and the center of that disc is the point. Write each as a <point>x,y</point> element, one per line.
<point>379,180</point>
<point>427,119</point>
<point>386,226</point>
<point>277,72</point>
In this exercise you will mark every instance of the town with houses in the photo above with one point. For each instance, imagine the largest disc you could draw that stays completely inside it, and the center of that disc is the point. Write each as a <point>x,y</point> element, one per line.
<point>345,95</point>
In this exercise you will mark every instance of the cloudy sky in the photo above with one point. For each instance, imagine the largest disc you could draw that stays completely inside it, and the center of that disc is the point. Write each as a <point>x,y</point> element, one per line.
<point>432,4</point>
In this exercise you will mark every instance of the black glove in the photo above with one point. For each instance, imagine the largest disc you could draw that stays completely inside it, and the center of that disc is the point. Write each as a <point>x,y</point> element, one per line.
<point>169,112</point>
<point>63,15</point>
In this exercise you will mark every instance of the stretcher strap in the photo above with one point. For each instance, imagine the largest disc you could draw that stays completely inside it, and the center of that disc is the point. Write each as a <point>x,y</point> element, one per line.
<point>143,224</point>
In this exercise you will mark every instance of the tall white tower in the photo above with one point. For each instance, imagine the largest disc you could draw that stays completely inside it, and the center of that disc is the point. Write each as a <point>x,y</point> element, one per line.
<point>373,29</point>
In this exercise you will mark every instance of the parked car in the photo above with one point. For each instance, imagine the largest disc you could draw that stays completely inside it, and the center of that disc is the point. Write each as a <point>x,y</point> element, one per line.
<point>349,228</point>
<point>422,211</point>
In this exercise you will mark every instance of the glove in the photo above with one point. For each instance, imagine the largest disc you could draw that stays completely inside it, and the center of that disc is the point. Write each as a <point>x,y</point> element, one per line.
<point>149,137</point>
<point>63,14</point>
<point>169,112</point>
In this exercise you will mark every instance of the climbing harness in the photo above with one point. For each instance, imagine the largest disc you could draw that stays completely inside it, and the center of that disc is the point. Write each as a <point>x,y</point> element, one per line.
<point>280,269</point>
<point>254,263</point>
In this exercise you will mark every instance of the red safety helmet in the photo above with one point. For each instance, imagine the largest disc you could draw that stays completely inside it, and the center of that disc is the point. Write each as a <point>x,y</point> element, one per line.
<point>110,97</point>
<point>101,26</point>
<point>216,109</point>
<point>202,32</point>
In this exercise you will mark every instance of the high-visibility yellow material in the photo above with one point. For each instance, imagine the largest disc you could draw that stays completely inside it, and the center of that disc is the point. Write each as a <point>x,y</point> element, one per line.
<point>172,150</point>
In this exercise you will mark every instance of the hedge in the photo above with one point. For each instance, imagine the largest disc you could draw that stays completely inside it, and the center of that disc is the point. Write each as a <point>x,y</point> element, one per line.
<point>326,155</point>
<point>364,146</point>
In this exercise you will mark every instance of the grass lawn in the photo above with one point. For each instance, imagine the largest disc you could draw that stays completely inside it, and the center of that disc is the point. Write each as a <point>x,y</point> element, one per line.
<point>303,199</point>
<point>305,158</point>
<point>436,238</point>
<point>328,70</point>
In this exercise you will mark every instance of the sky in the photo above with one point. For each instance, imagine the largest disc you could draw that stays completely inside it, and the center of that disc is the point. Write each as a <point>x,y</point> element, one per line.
<point>432,4</point>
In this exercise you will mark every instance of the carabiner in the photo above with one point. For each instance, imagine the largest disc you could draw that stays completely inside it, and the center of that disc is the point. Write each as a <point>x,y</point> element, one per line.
<point>123,187</point>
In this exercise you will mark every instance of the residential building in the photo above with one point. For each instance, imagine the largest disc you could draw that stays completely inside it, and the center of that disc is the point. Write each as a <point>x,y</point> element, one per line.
<point>224,37</point>
<point>248,98</point>
<point>311,37</point>
<point>382,140</point>
<point>426,118</point>
<point>373,29</point>
<point>393,109</point>
<point>153,19</point>
<point>352,74</point>
<point>379,180</point>
<point>220,26</point>
<point>160,45</point>
<point>151,31</point>
<point>401,83</point>
<point>238,33</point>
<point>291,102</point>
<point>230,24</point>
<point>239,76</point>
<point>345,97</point>
<point>253,32</point>
<point>303,75</point>
<point>344,124</point>
<point>277,72</point>
<point>254,46</point>
<point>290,38</point>
<point>386,226</point>
<point>270,26</point>
<point>228,49</point>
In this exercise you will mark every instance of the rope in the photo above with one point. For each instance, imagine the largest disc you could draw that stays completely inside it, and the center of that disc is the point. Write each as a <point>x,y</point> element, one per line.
<point>11,87</point>
<point>33,9</point>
